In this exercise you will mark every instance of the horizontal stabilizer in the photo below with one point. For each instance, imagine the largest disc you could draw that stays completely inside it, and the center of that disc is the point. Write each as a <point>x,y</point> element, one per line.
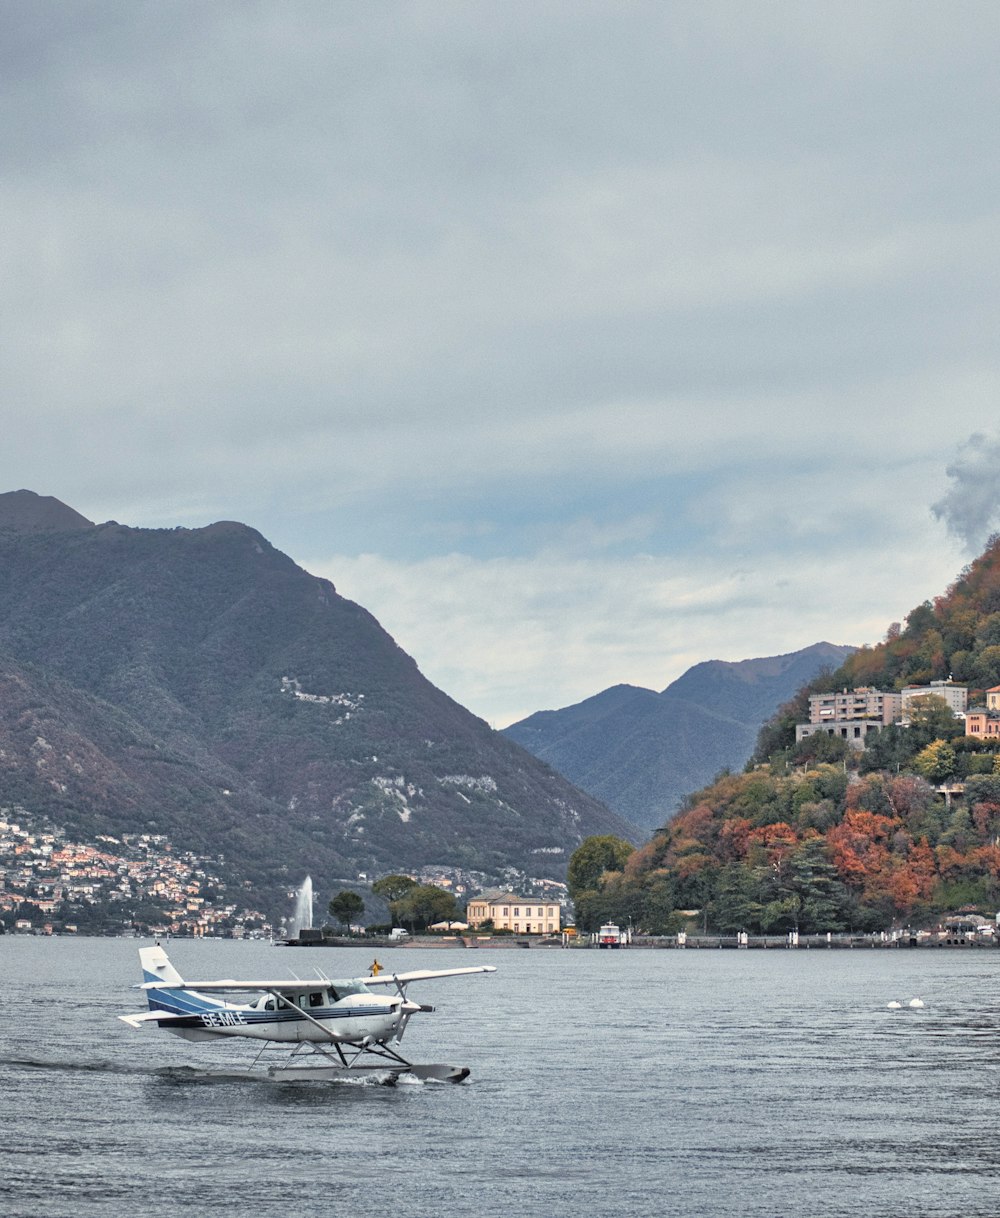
<point>136,1021</point>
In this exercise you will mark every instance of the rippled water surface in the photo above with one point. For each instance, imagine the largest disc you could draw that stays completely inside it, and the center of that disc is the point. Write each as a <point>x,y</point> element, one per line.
<point>699,1084</point>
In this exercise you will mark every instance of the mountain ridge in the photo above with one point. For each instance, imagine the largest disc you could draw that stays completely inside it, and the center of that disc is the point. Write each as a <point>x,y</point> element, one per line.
<point>642,752</point>
<point>200,681</point>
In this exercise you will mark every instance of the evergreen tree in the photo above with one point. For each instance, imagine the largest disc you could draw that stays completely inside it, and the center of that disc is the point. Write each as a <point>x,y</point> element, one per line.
<point>345,906</point>
<point>813,879</point>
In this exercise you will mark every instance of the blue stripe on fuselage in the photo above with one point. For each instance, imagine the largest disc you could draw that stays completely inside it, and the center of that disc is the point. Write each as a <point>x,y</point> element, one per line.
<point>253,1017</point>
<point>290,1016</point>
<point>178,1002</point>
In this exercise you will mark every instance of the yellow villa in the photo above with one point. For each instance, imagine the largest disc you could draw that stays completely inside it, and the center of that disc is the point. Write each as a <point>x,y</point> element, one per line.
<point>508,912</point>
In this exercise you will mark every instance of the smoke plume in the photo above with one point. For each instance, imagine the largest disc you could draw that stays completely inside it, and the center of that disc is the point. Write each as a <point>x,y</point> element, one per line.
<point>971,508</point>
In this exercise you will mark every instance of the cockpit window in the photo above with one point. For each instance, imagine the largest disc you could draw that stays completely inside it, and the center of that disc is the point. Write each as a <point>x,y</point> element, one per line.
<point>316,998</point>
<point>349,987</point>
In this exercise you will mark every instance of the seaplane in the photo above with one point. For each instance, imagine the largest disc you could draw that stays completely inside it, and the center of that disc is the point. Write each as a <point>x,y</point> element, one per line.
<point>324,1029</point>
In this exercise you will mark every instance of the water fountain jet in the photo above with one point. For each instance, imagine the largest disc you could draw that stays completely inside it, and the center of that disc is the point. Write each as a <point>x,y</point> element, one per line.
<point>302,918</point>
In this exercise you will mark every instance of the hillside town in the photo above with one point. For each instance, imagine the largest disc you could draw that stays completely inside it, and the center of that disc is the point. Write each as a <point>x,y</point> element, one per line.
<point>49,883</point>
<point>138,883</point>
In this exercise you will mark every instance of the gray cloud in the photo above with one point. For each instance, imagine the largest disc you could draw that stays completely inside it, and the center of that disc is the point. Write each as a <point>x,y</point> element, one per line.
<point>446,275</point>
<point>971,507</point>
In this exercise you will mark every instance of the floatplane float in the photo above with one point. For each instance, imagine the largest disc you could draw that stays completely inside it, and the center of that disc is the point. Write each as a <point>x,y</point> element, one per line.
<point>325,1029</point>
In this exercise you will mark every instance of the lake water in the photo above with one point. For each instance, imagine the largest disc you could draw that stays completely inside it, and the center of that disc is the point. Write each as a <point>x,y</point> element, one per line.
<point>696,1084</point>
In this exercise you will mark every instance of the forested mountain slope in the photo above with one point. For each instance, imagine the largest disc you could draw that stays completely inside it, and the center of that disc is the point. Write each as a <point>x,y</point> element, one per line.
<point>642,752</point>
<point>196,682</point>
<point>820,836</point>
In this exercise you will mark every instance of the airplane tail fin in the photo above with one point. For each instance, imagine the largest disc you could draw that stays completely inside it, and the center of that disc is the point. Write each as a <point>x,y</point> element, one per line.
<point>168,1006</point>
<point>156,967</point>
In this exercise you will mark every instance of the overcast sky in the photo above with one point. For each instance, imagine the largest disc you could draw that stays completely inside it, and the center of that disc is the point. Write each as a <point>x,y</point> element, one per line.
<point>579,342</point>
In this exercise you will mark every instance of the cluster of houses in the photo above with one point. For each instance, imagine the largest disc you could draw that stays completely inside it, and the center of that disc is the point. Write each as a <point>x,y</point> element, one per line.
<point>852,714</point>
<point>43,875</point>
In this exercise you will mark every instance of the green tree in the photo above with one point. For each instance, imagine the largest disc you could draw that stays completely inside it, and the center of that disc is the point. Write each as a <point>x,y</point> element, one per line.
<point>988,630</point>
<point>936,762</point>
<point>813,879</point>
<point>737,902</point>
<point>393,887</point>
<point>591,908</point>
<point>987,665</point>
<point>959,834</point>
<point>345,906</point>
<point>983,789</point>
<point>422,905</point>
<point>659,915</point>
<point>890,749</point>
<point>931,718</point>
<point>592,858</point>
<point>778,732</point>
<point>780,914</point>
<point>819,747</point>
<point>919,620</point>
<point>977,763</point>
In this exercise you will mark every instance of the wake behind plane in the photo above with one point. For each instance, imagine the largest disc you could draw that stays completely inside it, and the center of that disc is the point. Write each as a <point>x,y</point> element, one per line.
<point>325,1028</point>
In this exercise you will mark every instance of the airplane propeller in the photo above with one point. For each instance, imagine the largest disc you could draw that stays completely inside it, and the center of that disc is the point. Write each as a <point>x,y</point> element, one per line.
<point>406,1009</point>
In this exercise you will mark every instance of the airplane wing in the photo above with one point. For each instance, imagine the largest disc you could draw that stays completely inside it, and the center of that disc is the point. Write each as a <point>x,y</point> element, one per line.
<point>284,986</point>
<point>298,984</point>
<point>425,974</point>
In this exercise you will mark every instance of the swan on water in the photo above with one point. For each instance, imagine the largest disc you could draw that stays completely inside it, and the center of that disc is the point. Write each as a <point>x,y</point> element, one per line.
<point>916,1002</point>
<point>894,1006</point>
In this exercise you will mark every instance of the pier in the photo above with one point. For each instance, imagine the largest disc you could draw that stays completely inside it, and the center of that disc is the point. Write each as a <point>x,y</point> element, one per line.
<point>827,942</point>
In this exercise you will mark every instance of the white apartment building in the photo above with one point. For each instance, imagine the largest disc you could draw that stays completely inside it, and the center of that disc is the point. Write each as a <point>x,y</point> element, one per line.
<point>848,705</point>
<point>853,731</point>
<point>957,696</point>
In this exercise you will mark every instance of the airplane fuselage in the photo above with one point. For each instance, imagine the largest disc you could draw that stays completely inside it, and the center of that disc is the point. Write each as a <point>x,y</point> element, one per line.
<point>316,1015</point>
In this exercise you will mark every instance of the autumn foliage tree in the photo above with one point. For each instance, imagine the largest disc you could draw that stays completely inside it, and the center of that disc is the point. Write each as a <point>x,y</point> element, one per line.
<point>810,850</point>
<point>822,836</point>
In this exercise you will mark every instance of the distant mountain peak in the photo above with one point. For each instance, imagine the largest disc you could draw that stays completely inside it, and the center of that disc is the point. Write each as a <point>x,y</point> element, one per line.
<point>27,512</point>
<point>197,682</point>
<point>229,528</point>
<point>643,752</point>
<point>767,667</point>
